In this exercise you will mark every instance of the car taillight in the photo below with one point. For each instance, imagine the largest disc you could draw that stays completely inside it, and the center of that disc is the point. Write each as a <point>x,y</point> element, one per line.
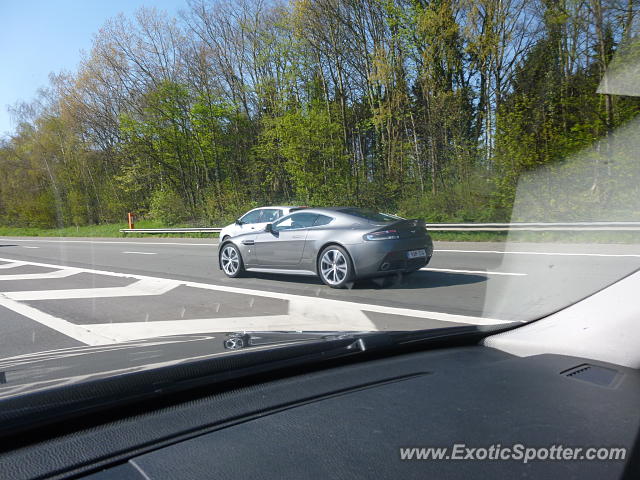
<point>382,235</point>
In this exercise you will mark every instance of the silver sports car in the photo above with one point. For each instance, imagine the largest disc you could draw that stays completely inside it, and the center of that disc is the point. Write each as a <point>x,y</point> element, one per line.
<point>338,244</point>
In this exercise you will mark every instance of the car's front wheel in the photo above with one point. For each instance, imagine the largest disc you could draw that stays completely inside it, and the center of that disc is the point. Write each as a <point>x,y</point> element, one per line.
<point>335,267</point>
<point>231,261</point>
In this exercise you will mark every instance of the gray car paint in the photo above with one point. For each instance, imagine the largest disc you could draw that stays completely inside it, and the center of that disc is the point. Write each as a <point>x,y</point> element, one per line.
<point>297,250</point>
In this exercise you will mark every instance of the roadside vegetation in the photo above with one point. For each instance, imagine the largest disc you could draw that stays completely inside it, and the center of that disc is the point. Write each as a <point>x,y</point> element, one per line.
<point>103,230</point>
<point>426,109</point>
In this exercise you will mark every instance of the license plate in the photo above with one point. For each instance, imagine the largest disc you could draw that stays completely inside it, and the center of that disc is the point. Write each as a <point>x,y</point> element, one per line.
<point>416,253</point>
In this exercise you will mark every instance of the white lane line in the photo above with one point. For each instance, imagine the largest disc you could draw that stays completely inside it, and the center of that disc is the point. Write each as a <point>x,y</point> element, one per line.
<point>12,265</point>
<point>27,246</point>
<point>64,273</point>
<point>124,242</point>
<point>85,270</point>
<point>567,254</point>
<point>69,329</point>
<point>481,272</point>
<point>141,253</point>
<point>144,287</point>
<point>325,308</point>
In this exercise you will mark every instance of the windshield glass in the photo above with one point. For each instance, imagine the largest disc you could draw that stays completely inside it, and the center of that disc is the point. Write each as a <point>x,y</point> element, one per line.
<point>151,152</point>
<point>371,215</point>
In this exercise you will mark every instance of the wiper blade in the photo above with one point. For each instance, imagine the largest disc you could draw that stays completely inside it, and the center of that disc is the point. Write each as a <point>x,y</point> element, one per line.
<point>107,390</point>
<point>364,340</point>
<point>64,398</point>
<point>378,342</point>
<point>247,339</point>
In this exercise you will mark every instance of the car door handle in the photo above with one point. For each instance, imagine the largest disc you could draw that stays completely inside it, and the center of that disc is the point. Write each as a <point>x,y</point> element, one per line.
<point>248,242</point>
<point>298,236</point>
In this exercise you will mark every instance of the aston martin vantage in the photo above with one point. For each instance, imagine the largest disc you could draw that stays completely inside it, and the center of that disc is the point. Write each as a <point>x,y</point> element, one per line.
<point>340,245</point>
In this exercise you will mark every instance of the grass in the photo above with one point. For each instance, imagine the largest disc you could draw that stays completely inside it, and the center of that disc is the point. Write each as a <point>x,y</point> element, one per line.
<point>468,236</point>
<point>112,230</point>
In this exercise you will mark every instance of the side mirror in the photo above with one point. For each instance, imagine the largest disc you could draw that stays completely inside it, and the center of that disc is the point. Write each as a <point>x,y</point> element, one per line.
<point>238,221</point>
<point>268,228</point>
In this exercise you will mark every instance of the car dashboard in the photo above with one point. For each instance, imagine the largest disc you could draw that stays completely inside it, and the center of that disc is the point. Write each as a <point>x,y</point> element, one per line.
<point>351,420</point>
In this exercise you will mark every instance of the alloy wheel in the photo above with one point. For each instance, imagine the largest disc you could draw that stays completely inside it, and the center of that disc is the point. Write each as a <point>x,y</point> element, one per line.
<point>230,260</point>
<point>334,267</point>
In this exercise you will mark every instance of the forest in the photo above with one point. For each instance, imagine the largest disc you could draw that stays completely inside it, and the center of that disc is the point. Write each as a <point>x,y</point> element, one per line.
<point>425,108</point>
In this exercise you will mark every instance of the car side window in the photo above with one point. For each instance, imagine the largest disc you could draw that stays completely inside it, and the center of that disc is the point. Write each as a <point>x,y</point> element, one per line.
<point>270,215</point>
<point>252,217</point>
<point>322,220</point>
<point>295,222</point>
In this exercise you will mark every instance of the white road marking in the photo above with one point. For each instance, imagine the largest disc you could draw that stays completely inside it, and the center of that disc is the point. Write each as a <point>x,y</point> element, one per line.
<point>144,287</point>
<point>323,308</point>
<point>482,272</point>
<point>26,246</point>
<point>89,270</point>
<point>342,308</point>
<point>142,253</point>
<point>310,314</point>
<point>69,329</point>
<point>64,273</point>
<point>567,254</point>
<point>12,265</point>
<point>305,312</point>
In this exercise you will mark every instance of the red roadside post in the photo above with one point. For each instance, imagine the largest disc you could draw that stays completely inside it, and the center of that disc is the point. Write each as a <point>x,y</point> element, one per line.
<point>130,217</point>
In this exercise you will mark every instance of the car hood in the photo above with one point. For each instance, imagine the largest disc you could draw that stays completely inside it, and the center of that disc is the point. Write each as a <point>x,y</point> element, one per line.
<point>38,371</point>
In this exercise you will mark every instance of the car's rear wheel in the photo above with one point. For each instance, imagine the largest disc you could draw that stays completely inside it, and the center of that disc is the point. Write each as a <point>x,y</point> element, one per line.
<point>231,261</point>
<point>335,267</point>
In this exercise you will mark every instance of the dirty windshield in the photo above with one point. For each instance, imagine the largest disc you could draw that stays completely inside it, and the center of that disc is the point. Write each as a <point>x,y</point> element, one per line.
<point>180,171</point>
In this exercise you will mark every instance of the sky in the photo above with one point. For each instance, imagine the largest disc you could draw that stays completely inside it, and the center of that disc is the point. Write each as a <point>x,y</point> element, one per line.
<point>39,36</point>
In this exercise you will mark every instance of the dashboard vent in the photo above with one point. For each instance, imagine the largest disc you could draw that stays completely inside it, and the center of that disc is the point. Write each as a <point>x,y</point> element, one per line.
<point>605,377</point>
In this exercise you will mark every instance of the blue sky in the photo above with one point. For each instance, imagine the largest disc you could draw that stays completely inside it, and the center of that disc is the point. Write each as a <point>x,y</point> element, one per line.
<point>38,37</point>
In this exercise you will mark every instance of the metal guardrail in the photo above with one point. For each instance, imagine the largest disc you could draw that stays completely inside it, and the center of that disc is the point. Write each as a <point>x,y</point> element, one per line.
<point>534,226</point>
<point>458,227</point>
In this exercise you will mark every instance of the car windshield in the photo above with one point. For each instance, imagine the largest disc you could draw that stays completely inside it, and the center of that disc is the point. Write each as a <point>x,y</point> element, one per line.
<point>371,215</point>
<point>155,156</point>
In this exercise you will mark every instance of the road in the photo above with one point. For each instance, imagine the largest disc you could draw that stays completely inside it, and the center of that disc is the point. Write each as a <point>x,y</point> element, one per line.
<point>59,293</point>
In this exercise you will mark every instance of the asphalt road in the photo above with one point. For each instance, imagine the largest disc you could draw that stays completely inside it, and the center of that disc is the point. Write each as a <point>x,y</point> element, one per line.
<point>59,293</point>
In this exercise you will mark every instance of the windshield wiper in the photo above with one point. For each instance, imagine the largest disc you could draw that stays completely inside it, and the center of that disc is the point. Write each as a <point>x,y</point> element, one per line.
<point>365,341</point>
<point>247,339</point>
<point>292,351</point>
